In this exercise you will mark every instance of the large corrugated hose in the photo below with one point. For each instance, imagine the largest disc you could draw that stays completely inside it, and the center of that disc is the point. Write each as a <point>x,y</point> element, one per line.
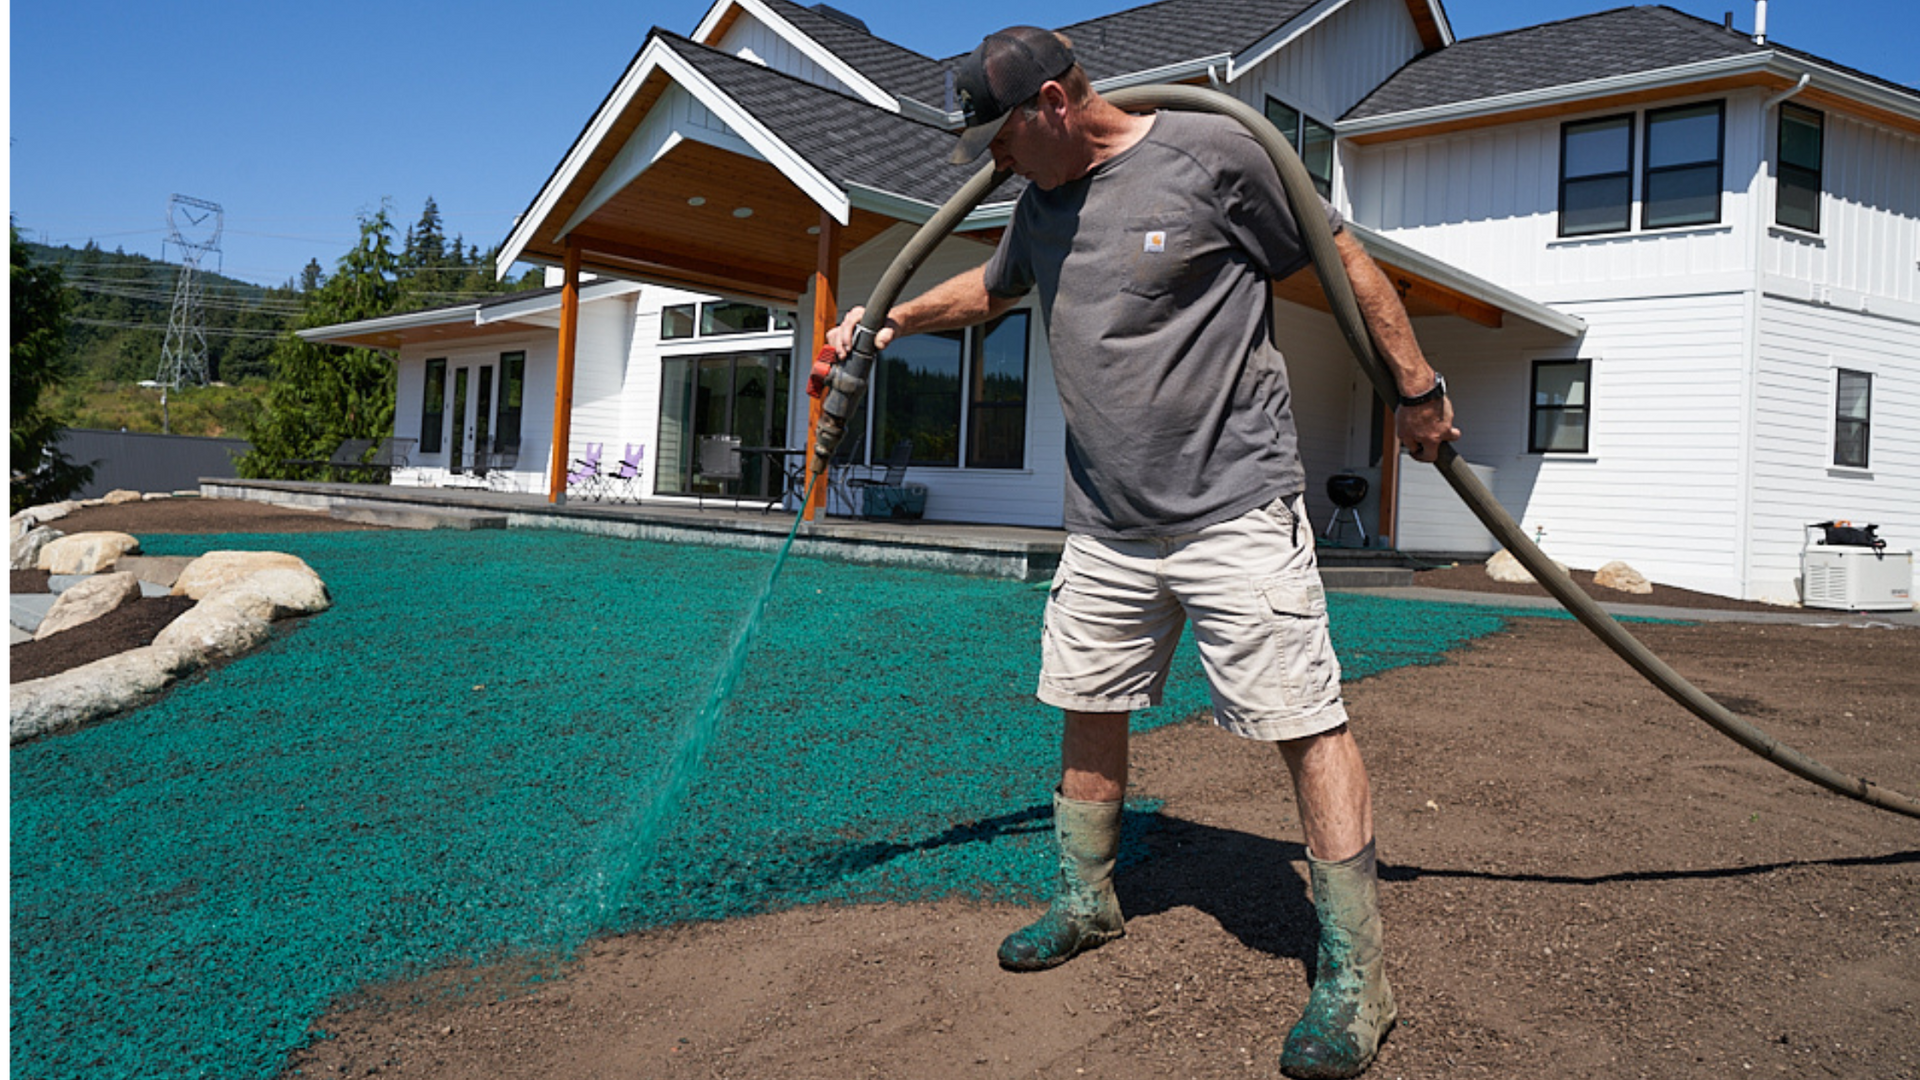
<point>850,383</point>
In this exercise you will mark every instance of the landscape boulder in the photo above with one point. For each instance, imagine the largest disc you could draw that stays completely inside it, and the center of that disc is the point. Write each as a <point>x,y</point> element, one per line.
<point>1620,577</point>
<point>275,593</point>
<point>86,553</point>
<point>94,690</point>
<point>217,569</point>
<point>215,629</point>
<point>88,600</point>
<point>34,516</point>
<point>27,546</point>
<point>1503,567</point>
<point>161,570</point>
<point>118,496</point>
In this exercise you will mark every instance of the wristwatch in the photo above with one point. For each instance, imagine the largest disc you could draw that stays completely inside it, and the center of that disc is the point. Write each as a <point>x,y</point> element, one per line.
<point>1439,391</point>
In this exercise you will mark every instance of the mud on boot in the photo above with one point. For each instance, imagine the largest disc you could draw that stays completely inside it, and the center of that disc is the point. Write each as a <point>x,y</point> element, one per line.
<point>1351,1008</point>
<point>1084,913</point>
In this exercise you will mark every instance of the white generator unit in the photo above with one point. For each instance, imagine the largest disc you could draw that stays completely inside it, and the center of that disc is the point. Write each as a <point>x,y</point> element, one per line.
<point>1847,577</point>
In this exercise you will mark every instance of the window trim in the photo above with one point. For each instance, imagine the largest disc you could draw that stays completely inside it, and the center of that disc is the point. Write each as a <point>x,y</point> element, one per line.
<point>1781,165</point>
<point>971,343</point>
<point>1627,173</point>
<point>1865,423</point>
<point>1648,170</point>
<point>1535,408</point>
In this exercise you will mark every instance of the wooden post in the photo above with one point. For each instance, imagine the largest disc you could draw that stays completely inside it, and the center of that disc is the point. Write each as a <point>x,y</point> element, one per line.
<point>1389,476</point>
<point>826,315</point>
<point>563,377</point>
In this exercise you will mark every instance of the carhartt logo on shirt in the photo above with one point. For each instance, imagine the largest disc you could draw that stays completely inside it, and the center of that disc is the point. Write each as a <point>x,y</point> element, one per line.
<point>1156,241</point>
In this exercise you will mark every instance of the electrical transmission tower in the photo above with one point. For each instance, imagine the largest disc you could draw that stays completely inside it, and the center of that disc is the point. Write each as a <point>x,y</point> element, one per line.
<point>183,357</point>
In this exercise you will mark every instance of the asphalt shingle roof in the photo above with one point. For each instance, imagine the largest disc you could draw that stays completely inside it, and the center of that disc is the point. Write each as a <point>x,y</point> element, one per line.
<point>848,140</point>
<point>1172,31</point>
<point>897,70</point>
<point>1624,41</point>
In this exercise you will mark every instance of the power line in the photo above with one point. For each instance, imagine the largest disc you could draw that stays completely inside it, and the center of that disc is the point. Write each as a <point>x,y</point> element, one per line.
<point>239,332</point>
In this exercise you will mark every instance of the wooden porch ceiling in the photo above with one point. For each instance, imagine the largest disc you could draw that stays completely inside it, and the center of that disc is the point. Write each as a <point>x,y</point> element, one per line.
<point>1420,296</point>
<point>710,220</point>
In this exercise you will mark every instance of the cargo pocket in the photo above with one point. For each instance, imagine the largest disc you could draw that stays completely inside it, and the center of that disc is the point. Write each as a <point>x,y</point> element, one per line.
<point>1298,605</point>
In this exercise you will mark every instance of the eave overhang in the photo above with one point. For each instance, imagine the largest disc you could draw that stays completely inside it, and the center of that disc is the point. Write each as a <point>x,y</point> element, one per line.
<point>460,323</point>
<point>1828,86</point>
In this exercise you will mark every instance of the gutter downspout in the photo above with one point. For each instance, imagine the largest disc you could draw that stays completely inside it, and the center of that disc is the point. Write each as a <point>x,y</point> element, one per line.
<point>1213,79</point>
<point>1756,253</point>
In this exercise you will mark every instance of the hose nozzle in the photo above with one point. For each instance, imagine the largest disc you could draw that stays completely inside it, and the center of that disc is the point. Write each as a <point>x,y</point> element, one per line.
<point>847,384</point>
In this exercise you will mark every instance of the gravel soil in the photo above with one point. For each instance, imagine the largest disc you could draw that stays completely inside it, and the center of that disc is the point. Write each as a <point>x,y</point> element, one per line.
<point>1579,880</point>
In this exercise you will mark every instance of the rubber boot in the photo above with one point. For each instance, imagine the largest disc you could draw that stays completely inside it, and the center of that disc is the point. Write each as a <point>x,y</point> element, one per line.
<point>1084,914</point>
<point>1351,1008</point>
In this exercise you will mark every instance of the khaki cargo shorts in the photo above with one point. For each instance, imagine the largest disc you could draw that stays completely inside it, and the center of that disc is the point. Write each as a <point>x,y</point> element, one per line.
<point>1252,590</point>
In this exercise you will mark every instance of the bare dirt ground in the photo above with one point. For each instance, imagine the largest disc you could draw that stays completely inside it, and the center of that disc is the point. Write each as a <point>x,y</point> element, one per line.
<point>1579,879</point>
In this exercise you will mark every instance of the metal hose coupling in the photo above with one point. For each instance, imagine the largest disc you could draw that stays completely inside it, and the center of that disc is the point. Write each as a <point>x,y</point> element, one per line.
<point>847,384</point>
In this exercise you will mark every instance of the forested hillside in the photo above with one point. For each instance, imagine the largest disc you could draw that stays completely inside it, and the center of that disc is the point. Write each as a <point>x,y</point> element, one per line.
<point>119,306</point>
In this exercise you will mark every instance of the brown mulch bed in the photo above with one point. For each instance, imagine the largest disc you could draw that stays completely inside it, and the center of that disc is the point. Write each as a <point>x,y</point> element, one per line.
<point>128,626</point>
<point>195,515</point>
<point>1472,577</point>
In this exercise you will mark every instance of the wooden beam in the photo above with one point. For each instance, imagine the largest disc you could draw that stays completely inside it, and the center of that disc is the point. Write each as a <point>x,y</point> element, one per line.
<point>563,378</point>
<point>763,279</point>
<point>1388,520</point>
<point>1419,292</point>
<point>826,314</point>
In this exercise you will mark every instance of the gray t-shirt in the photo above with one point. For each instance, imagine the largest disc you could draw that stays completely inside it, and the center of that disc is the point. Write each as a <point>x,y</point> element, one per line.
<point>1154,273</point>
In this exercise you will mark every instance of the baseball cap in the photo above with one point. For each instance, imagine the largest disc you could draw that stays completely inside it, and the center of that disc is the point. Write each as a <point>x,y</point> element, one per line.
<point>1006,70</point>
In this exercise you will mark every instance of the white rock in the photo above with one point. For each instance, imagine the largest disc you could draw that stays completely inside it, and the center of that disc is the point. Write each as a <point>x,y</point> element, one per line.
<point>1505,568</point>
<point>24,521</point>
<point>27,548</point>
<point>216,569</point>
<point>276,593</point>
<point>214,628</point>
<point>1620,577</point>
<point>86,553</point>
<point>87,601</point>
<point>120,495</point>
<point>94,690</point>
<point>154,496</point>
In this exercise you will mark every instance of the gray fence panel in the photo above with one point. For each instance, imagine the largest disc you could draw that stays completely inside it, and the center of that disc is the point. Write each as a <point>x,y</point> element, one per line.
<point>141,462</point>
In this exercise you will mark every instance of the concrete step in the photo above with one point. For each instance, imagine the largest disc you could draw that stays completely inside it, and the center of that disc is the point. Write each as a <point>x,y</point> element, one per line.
<point>420,517</point>
<point>1365,577</point>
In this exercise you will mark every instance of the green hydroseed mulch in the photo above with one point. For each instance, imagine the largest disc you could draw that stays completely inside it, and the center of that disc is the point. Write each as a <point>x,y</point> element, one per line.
<point>449,765</point>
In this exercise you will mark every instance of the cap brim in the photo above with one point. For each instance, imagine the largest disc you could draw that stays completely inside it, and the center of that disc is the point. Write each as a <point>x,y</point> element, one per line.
<point>973,141</point>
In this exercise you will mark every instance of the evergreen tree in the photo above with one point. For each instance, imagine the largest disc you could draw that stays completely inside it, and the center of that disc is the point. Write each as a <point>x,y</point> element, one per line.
<point>312,277</point>
<point>40,472</point>
<point>321,394</point>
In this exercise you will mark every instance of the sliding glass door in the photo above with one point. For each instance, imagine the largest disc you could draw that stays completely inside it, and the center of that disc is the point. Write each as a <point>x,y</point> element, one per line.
<point>739,394</point>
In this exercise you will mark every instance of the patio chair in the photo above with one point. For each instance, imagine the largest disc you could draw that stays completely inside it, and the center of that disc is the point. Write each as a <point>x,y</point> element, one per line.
<point>627,476</point>
<point>584,477</point>
<point>345,457</point>
<point>500,469</point>
<point>843,467</point>
<point>718,460</point>
<point>392,453</point>
<point>891,483</point>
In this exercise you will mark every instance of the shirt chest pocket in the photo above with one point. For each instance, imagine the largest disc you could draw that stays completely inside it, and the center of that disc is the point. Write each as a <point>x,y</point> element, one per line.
<point>1158,249</point>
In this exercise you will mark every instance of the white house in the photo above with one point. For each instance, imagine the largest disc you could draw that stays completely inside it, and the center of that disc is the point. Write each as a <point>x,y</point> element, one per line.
<point>1670,269</point>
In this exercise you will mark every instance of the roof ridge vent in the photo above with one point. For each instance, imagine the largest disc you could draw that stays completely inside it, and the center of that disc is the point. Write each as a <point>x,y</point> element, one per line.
<point>842,18</point>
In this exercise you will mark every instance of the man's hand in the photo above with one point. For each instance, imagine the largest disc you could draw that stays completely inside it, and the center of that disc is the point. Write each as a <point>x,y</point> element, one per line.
<point>1422,428</point>
<point>841,337</point>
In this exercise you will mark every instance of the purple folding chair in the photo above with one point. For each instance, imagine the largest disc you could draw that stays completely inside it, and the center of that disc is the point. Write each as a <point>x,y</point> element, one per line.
<point>584,476</point>
<point>627,475</point>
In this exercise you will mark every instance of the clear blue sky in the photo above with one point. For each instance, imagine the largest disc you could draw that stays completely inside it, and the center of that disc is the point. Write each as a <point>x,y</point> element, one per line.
<point>296,117</point>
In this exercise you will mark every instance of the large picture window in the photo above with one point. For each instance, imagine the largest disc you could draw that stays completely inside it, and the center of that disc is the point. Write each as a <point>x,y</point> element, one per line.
<point>1596,176</point>
<point>1682,181</point>
<point>433,406</point>
<point>1310,138</point>
<point>1797,187</point>
<point>1852,418</point>
<point>1561,407</point>
<point>932,388</point>
<point>513,391</point>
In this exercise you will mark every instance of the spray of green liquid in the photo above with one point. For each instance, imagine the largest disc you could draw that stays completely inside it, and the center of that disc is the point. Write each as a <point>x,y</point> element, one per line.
<point>691,746</point>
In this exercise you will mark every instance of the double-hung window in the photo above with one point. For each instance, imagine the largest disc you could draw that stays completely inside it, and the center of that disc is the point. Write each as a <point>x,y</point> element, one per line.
<point>1797,187</point>
<point>1852,418</point>
<point>1682,181</point>
<point>1561,407</point>
<point>929,388</point>
<point>1310,138</point>
<point>1596,176</point>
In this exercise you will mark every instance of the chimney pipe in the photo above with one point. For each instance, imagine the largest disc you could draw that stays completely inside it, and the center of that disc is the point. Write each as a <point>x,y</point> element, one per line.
<point>1760,22</point>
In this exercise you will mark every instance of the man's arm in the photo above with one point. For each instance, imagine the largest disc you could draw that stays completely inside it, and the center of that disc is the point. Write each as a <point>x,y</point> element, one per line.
<point>961,300</point>
<point>1421,428</point>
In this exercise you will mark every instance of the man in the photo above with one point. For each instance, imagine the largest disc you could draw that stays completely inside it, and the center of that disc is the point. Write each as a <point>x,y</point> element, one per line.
<point>1153,240</point>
